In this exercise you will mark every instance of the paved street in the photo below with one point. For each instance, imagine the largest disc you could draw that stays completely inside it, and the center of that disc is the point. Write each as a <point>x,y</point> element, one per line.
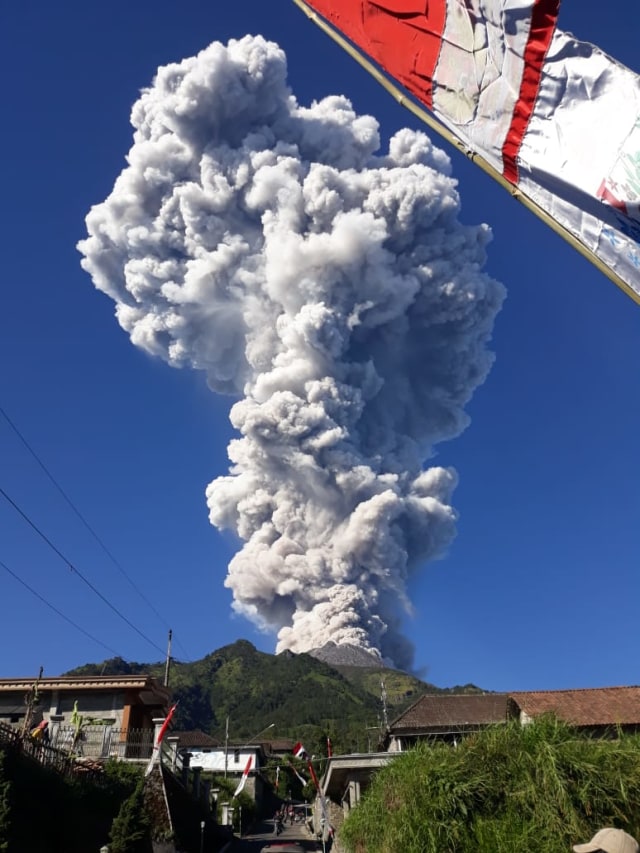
<point>262,834</point>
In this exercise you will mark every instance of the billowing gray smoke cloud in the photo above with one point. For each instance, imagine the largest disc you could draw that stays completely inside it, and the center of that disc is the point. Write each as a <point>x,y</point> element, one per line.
<point>333,291</point>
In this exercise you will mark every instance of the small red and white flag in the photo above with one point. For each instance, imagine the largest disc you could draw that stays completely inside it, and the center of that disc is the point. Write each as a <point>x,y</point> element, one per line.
<point>245,773</point>
<point>300,752</point>
<point>329,750</point>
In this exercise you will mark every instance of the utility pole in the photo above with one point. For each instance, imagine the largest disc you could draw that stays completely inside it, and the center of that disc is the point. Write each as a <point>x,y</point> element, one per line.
<point>248,743</point>
<point>168,661</point>
<point>226,748</point>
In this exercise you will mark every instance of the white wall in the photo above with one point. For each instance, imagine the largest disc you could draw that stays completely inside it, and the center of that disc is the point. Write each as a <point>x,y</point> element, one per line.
<point>213,759</point>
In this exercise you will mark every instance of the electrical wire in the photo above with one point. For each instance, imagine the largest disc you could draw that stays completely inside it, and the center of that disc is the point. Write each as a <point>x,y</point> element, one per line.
<point>84,521</point>
<point>59,612</point>
<point>76,571</point>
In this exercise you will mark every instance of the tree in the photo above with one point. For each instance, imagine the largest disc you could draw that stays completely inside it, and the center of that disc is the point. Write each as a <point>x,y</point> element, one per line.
<point>130,828</point>
<point>194,708</point>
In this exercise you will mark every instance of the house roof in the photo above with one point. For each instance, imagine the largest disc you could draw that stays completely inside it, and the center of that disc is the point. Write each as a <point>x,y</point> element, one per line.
<point>281,745</point>
<point>341,768</point>
<point>194,739</point>
<point>69,682</point>
<point>453,711</point>
<point>596,706</point>
<point>155,693</point>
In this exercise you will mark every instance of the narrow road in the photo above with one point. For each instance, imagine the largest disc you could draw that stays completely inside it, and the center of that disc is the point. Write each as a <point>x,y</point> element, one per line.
<point>262,834</point>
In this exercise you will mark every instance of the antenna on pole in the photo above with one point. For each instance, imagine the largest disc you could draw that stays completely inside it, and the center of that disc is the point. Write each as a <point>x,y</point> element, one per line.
<point>383,699</point>
<point>168,661</point>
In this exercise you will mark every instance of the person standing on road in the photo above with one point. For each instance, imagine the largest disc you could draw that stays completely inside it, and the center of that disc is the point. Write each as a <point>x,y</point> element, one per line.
<point>277,822</point>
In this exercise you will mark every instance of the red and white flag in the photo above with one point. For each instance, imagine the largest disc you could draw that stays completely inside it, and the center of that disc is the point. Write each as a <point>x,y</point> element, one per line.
<point>166,724</point>
<point>300,752</point>
<point>245,774</point>
<point>329,749</point>
<point>557,118</point>
<point>155,754</point>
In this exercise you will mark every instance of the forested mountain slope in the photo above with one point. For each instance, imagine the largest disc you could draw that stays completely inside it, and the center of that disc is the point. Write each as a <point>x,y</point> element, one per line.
<point>306,698</point>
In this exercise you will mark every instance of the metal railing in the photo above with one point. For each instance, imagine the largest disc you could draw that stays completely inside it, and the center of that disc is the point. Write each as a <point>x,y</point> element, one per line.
<point>104,742</point>
<point>13,739</point>
<point>97,742</point>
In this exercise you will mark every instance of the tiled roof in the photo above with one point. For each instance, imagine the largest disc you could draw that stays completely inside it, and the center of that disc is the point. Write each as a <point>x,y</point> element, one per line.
<point>599,706</point>
<point>281,745</point>
<point>437,711</point>
<point>194,739</point>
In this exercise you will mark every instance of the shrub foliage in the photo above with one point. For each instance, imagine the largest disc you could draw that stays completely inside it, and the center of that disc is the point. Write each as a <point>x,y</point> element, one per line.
<point>130,828</point>
<point>43,812</point>
<point>510,788</point>
<point>5,806</point>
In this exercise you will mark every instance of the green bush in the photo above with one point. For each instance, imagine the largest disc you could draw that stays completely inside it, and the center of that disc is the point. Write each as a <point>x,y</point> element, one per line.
<point>226,788</point>
<point>73,814</point>
<point>540,787</point>
<point>5,806</point>
<point>130,828</point>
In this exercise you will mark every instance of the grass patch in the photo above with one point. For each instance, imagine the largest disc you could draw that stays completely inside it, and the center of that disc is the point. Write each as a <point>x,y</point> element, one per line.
<point>540,787</point>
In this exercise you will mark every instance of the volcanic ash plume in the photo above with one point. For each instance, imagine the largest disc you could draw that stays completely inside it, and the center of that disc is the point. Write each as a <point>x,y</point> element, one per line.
<point>331,289</point>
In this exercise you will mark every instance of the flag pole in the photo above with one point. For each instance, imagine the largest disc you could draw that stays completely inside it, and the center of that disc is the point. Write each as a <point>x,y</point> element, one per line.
<point>469,153</point>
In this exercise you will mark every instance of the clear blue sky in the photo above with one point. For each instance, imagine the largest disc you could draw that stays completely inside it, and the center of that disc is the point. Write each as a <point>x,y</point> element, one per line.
<point>540,588</point>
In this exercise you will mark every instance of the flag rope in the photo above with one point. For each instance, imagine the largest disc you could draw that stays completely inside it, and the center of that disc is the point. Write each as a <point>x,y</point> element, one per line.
<point>424,116</point>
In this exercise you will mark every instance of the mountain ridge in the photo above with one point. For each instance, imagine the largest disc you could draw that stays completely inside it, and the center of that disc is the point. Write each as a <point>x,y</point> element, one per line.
<point>307,698</point>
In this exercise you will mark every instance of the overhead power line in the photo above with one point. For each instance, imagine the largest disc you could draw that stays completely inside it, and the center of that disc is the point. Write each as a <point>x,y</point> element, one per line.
<point>77,571</point>
<point>84,521</point>
<point>59,612</point>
